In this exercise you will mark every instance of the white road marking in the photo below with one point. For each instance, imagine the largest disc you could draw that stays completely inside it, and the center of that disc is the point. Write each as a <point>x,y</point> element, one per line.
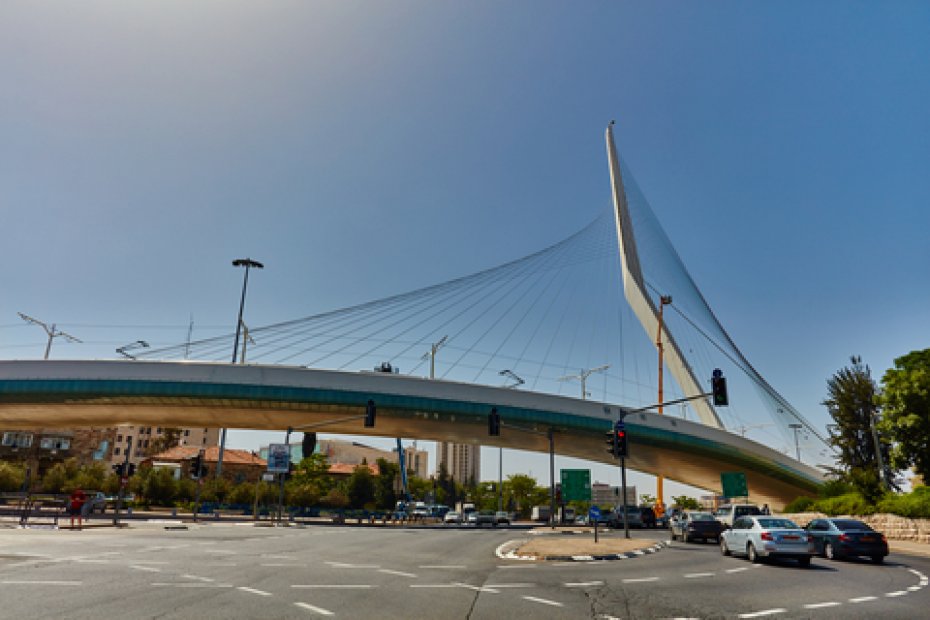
<point>863,599</point>
<point>913,588</point>
<point>271,556</point>
<point>641,580</point>
<point>736,570</point>
<point>315,609</point>
<point>542,600</point>
<point>344,565</point>
<point>335,586</point>
<point>583,584</point>
<point>898,593</point>
<point>254,591</point>
<point>150,569</point>
<point>696,575</point>
<point>24,582</point>
<point>583,558</point>
<point>388,571</point>
<point>446,566</point>
<point>510,585</point>
<point>764,612</point>
<point>198,578</point>
<point>527,565</point>
<point>434,585</point>
<point>280,565</point>
<point>820,605</point>
<point>150,562</point>
<point>218,551</point>
<point>477,588</point>
<point>190,585</point>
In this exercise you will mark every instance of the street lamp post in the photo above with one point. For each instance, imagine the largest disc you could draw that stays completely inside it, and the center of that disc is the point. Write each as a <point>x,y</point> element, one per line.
<point>51,331</point>
<point>248,263</point>
<point>583,378</point>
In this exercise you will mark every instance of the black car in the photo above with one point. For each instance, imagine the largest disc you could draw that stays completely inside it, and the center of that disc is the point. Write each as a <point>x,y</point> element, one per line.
<point>835,539</point>
<point>648,516</point>
<point>695,525</point>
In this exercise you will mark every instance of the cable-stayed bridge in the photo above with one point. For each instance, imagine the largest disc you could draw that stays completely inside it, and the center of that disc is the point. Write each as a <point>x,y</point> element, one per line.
<point>550,319</point>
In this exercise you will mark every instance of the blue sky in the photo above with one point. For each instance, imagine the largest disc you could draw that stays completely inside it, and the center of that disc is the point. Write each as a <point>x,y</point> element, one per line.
<point>361,149</point>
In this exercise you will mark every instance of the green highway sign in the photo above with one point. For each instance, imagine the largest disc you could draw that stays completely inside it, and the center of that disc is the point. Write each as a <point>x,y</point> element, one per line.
<point>734,484</point>
<point>576,485</point>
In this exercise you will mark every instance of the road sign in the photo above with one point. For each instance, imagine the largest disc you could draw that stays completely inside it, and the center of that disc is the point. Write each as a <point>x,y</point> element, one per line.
<point>278,458</point>
<point>734,484</point>
<point>576,485</point>
<point>594,513</point>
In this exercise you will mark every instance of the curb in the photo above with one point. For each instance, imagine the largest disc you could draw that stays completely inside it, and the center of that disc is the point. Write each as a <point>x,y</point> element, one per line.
<point>507,551</point>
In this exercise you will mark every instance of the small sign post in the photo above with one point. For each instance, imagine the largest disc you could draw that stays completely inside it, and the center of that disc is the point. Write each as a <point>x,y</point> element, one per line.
<point>594,514</point>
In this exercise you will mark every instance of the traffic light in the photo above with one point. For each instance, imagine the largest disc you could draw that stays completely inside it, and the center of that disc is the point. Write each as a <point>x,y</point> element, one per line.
<point>494,423</point>
<point>370,412</point>
<point>196,465</point>
<point>718,385</point>
<point>132,470</point>
<point>620,435</point>
<point>612,443</point>
<point>118,469</point>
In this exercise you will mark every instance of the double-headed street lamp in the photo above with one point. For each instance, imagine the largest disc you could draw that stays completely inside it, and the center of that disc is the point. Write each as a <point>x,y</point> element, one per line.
<point>51,331</point>
<point>248,263</point>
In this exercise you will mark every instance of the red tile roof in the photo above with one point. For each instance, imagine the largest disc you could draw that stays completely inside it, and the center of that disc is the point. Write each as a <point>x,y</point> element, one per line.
<point>345,469</point>
<point>211,455</point>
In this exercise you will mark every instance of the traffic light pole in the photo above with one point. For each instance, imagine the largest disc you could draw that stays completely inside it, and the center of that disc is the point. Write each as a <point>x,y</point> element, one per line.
<point>626,521</point>
<point>551,434</point>
<point>199,473</point>
<point>123,475</point>
<point>287,444</point>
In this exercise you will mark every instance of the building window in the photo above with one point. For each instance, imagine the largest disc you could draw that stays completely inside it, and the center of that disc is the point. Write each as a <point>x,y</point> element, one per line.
<point>119,438</point>
<point>159,430</point>
<point>54,443</point>
<point>146,443</point>
<point>17,440</point>
<point>115,451</point>
<point>204,442</point>
<point>187,433</point>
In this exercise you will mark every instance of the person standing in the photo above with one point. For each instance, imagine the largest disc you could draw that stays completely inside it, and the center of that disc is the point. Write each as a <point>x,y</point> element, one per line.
<point>76,507</point>
<point>765,509</point>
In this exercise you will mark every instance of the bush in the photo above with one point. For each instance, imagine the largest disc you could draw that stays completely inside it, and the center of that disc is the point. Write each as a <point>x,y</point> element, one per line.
<point>800,504</point>
<point>12,476</point>
<point>848,504</point>
<point>915,505</point>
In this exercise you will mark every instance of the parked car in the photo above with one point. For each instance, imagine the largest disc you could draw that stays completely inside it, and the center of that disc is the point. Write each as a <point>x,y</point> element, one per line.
<point>759,537</point>
<point>452,517</point>
<point>502,518</point>
<point>729,513</point>
<point>648,516</point>
<point>836,539</point>
<point>694,525</point>
<point>486,517</point>
<point>470,518</point>
<point>96,502</point>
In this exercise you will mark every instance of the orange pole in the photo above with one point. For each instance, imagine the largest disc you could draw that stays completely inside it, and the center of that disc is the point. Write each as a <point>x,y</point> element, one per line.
<point>660,480</point>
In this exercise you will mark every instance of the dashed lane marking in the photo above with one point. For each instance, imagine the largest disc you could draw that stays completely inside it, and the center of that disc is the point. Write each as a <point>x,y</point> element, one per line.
<point>25,582</point>
<point>345,565</point>
<point>468,586</point>
<point>640,580</point>
<point>399,573</point>
<point>175,584</point>
<point>198,578</point>
<point>913,588</point>
<point>282,565</point>
<point>149,569</point>
<point>444,566</point>
<point>863,599</point>
<point>583,584</point>
<point>315,609</point>
<point>544,601</point>
<point>822,605</point>
<point>335,586</point>
<point>898,593</point>
<point>764,612</point>
<point>510,585</point>
<point>530,565</point>
<point>434,585</point>
<point>254,591</point>
<point>736,570</point>
<point>698,575</point>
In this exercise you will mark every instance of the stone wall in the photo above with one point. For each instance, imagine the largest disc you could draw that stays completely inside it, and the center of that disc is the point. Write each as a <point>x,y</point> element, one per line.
<point>892,526</point>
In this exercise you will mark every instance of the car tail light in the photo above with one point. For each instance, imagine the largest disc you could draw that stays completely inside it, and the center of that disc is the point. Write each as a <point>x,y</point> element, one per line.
<point>766,536</point>
<point>810,538</point>
<point>844,538</point>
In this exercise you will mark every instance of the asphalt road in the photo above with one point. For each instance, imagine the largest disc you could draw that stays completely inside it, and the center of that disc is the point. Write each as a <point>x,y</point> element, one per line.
<point>239,571</point>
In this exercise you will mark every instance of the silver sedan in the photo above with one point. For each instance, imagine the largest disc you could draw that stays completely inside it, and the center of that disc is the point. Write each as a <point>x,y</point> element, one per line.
<point>760,537</point>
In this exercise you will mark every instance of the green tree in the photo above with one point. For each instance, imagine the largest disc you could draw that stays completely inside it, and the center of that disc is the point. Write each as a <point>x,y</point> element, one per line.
<point>313,470</point>
<point>12,476</point>
<point>169,438</point>
<point>525,493</point>
<point>335,498</point>
<point>384,484</point>
<point>360,487</point>
<point>160,487</point>
<point>851,403</point>
<point>686,503</point>
<point>906,408</point>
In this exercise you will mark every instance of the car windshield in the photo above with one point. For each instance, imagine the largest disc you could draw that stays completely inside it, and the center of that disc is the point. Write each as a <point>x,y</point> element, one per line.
<point>845,525</point>
<point>777,524</point>
<point>701,516</point>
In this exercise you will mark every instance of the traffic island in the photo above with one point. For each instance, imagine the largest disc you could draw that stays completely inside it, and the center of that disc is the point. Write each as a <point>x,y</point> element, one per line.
<point>577,548</point>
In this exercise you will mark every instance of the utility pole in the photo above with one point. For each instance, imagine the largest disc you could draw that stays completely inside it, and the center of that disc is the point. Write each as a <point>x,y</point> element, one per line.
<point>664,300</point>
<point>51,331</point>
<point>248,263</point>
<point>582,376</point>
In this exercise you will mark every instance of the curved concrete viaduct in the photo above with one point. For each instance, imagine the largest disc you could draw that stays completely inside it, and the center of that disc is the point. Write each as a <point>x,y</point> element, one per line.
<point>71,394</point>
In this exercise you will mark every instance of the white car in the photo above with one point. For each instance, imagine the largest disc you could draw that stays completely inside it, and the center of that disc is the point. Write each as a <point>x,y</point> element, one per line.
<point>452,517</point>
<point>760,537</point>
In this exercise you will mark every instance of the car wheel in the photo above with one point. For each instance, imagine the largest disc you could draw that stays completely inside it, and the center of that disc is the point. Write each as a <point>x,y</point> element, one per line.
<point>804,561</point>
<point>829,552</point>
<point>878,559</point>
<point>723,547</point>
<point>752,555</point>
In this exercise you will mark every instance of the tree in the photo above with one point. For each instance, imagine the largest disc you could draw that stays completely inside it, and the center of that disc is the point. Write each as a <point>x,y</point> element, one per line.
<point>12,476</point>
<point>169,438</point>
<point>384,484</point>
<point>360,487</point>
<point>906,408</point>
<point>851,403</point>
<point>685,503</point>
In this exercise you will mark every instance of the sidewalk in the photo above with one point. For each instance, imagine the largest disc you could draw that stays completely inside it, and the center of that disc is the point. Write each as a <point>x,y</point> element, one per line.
<point>909,547</point>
